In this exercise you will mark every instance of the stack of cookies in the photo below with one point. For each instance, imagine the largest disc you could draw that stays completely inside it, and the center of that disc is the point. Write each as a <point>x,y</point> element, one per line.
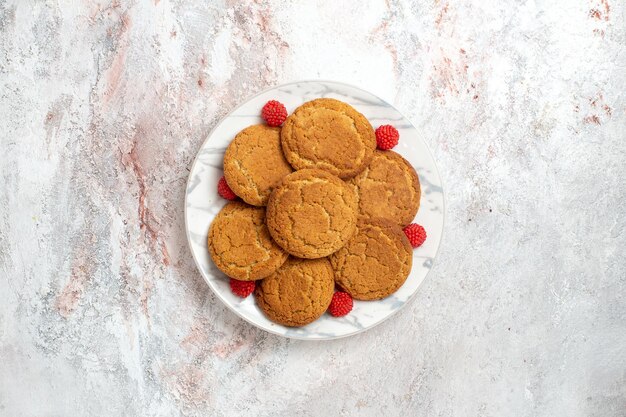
<point>317,207</point>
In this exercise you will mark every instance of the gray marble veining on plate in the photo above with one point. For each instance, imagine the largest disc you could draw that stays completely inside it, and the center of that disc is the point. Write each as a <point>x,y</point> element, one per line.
<point>104,104</point>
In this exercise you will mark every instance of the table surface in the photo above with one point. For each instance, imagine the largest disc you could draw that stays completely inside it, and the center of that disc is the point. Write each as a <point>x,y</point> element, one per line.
<point>103,105</point>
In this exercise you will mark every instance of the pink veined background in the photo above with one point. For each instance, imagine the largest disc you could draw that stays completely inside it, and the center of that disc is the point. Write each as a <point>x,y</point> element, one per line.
<point>103,105</point>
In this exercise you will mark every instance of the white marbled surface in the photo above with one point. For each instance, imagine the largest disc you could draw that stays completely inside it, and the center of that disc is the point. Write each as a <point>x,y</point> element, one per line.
<point>103,105</point>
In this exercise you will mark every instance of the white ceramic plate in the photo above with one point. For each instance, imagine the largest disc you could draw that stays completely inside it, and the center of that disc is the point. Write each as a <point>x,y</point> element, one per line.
<point>202,203</point>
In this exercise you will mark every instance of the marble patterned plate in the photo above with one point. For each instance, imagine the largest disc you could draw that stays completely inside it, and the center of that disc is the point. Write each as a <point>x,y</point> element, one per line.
<point>202,203</point>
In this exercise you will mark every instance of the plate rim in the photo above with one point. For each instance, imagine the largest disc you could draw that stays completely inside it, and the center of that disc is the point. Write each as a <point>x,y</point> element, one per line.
<point>292,336</point>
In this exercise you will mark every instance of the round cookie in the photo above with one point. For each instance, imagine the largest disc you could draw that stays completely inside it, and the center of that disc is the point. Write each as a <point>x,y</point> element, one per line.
<point>240,244</point>
<point>375,262</point>
<point>328,134</point>
<point>298,293</point>
<point>254,163</point>
<point>312,213</point>
<point>389,188</point>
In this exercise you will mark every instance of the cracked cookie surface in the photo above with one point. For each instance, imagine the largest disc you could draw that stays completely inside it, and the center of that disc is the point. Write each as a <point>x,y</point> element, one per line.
<point>389,188</point>
<point>328,134</point>
<point>240,244</point>
<point>375,262</point>
<point>254,163</point>
<point>298,293</point>
<point>312,213</point>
